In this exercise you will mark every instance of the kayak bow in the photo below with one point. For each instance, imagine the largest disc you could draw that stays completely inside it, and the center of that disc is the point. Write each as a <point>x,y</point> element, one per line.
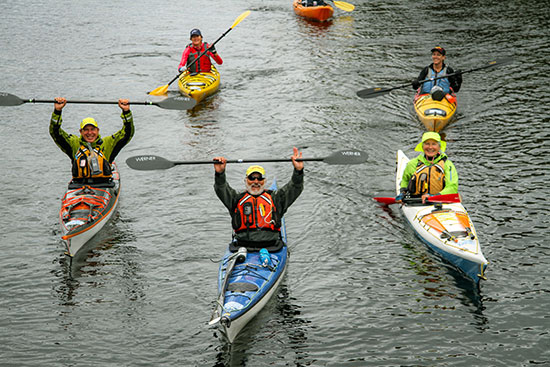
<point>85,210</point>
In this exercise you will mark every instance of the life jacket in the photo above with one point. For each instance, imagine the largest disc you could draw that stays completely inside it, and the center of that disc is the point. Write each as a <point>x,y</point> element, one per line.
<point>255,213</point>
<point>443,82</point>
<point>193,55</point>
<point>428,178</point>
<point>91,164</point>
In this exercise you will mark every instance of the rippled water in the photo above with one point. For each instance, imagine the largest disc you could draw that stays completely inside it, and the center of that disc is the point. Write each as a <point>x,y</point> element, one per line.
<point>360,288</point>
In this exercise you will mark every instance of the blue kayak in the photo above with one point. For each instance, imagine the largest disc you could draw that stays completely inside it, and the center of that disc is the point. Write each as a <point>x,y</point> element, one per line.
<point>250,285</point>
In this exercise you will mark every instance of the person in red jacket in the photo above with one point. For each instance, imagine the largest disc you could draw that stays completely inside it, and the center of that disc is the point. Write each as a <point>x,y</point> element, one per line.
<point>192,52</point>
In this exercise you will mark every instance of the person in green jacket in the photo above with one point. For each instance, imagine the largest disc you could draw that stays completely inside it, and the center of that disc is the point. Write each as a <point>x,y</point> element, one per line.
<point>257,213</point>
<point>431,173</point>
<point>91,155</point>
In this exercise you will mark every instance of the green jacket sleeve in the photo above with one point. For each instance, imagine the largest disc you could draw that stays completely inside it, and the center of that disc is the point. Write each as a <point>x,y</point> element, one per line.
<point>451,179</point>
<point>224,192</point>
<point>68,143</point>
<point>114,143</point>
<point>408,173</point>
<point>286,195</point>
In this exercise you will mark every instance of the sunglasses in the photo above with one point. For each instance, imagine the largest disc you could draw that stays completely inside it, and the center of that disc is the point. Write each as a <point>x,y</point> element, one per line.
<point>254,178</point>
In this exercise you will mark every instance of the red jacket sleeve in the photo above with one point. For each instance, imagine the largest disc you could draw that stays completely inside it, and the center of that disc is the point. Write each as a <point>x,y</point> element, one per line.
<point>184,57</point>
<point>216,57</point>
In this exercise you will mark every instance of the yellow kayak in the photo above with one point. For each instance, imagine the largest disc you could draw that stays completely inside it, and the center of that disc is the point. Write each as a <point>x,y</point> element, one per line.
<point>435,115</point>
<point>201,85</point>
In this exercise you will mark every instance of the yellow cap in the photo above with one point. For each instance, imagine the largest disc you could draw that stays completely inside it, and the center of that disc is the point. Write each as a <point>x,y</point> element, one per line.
<point>253,169</point>
<point>434,136</point>
<point>88,121</point>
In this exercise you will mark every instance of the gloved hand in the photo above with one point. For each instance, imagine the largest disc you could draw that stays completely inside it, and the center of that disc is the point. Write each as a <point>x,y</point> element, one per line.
<point>458,72</point>
<point>182,69</point>
<point>400,197</point>
<point>212,49</point>
<point>415,84</point>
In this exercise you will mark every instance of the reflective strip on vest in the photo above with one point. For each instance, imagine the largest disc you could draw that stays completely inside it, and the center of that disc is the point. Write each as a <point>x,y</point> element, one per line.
<point>261,215</point>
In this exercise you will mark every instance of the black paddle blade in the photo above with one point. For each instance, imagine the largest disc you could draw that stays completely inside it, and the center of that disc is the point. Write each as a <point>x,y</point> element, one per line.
<point>373,92</point>
<point>7,99</point>
<point>177,103</point>
<point>350,156</point>
<point>148,162</point>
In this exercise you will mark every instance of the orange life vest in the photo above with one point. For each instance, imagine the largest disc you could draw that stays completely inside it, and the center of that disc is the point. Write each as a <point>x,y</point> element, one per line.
<point>91,164</point>
<point>428,178</point>
<point>255,213</point>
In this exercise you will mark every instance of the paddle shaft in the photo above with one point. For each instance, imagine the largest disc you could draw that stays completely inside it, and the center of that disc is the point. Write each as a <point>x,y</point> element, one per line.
<point>251,161</point>
<point>373,92</point>
<point>200,55</point>
<point>238,256</point>
<point>459,73</point>
<point>32,100</point>
<point>443,199</point>
<point>153,162</point>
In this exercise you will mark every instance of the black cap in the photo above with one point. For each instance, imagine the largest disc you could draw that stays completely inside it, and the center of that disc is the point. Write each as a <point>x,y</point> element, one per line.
<point>195,32</point>
<point>439,49</point>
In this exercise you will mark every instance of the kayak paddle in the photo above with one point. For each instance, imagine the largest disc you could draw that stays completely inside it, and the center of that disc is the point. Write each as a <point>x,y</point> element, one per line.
<point>239,256</point>
<point>174,103</point>
<point>153,162</point>
<point>378,91</point>
<point>445,199</point>
<point>159,91</point>
<point>343,5</point>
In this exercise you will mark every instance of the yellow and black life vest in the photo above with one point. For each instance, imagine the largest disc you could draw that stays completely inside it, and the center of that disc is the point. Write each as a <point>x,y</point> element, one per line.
<point>428,178</point>
<point>91,164</point>
<point>255,213</point>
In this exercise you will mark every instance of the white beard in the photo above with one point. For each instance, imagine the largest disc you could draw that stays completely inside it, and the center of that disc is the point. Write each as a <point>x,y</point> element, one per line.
<point>254,188</point>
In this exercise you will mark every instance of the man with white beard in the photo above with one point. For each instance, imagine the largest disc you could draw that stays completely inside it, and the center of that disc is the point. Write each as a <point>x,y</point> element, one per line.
<point>256,213</point>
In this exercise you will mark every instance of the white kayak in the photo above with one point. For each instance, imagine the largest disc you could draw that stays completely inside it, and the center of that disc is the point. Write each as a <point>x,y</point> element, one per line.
<point>446,228</point>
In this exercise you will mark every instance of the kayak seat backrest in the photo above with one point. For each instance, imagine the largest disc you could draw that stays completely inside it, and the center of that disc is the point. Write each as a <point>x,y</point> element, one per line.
<point>242,287</point>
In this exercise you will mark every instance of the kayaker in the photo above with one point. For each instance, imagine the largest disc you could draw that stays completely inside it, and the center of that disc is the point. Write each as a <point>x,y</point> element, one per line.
<point>91,155</point>
<point>256,213</point>
<point>193,50</point>
<point>431,173</point>
<point>440,87</point>
<point>313,3</point>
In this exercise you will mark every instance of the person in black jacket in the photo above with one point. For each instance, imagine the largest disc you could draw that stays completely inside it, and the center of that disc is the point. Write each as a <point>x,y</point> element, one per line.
<point>438,68</point>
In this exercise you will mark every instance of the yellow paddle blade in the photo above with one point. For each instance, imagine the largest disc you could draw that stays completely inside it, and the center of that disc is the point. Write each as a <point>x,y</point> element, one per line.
<point>240,18</point>
<point>344,6</point>
<point>160,91</point>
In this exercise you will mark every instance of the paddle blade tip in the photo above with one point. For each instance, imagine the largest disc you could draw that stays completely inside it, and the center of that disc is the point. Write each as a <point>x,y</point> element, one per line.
<point>349,156</point>
<point>160,91</point>
<point>214,321</point>
<point>148,163</point>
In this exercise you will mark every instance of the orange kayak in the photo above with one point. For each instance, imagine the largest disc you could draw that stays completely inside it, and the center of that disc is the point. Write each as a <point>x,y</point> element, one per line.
<point>319,13</point>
